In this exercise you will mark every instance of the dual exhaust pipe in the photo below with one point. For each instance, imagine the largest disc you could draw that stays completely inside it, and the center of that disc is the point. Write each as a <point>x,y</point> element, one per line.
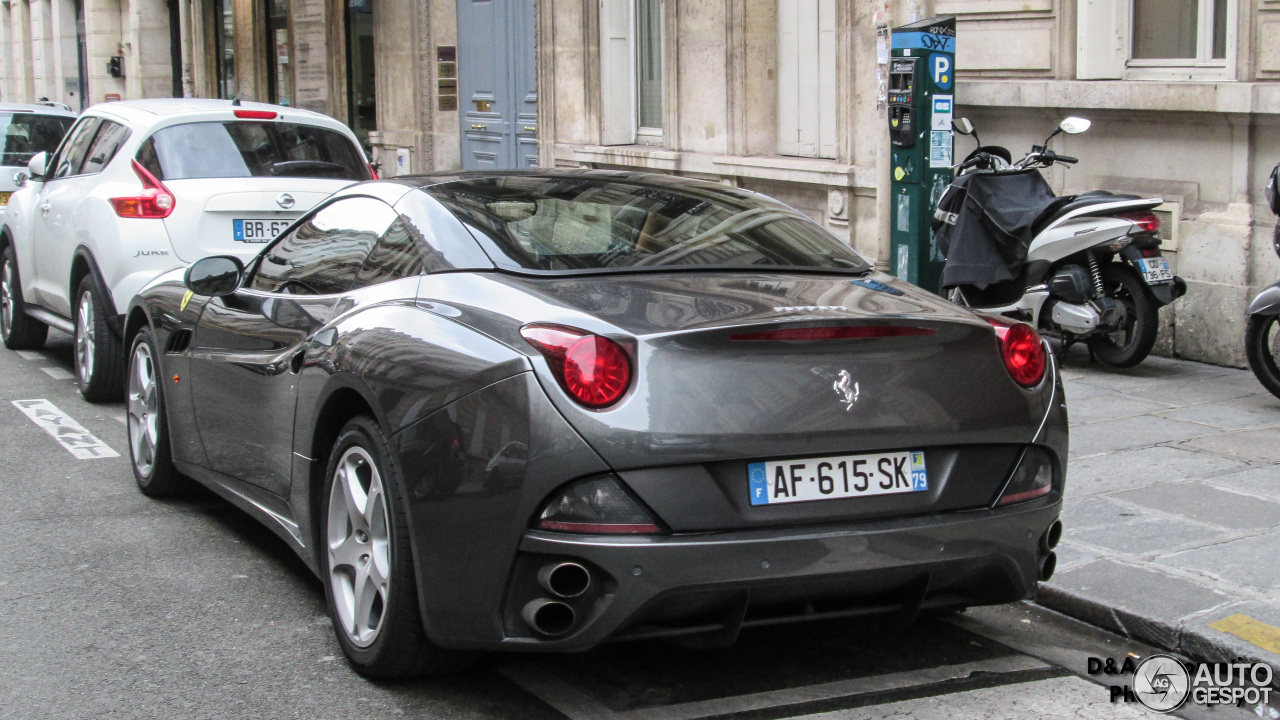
<point>550,617</point>
<point>1048,560</point>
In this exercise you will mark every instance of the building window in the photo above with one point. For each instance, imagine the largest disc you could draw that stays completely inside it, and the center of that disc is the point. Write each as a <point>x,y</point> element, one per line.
<point>631,72</point>
<point>807,78</point>
<point>280,87</point>
<point>362,108</point>
<point>224,33</point>
<point>1156,39</point>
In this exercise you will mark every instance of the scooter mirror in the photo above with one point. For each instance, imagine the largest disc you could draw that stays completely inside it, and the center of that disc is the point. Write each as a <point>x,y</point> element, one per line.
<point>1075,125</point>
<point>962,126</point>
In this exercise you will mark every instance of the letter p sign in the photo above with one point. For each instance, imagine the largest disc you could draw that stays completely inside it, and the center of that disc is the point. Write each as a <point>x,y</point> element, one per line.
<point>940,67</point>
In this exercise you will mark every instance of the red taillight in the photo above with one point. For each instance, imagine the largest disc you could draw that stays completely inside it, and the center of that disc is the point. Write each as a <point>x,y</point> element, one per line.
<point>372,172</point>
<point>256,114</point>
<point>1022,351</point>
<point>1147,222</point>
<point>155,201</point>
<point>835,333</point>
<point>594,370</point>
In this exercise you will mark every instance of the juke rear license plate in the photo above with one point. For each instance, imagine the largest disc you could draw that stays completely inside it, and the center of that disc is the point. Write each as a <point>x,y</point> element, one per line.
<point>1155,270</point>
<point>842,476</point>
<point>258,230</point>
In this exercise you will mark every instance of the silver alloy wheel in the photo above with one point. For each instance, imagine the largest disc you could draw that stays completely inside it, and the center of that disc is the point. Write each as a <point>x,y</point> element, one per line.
<point>359,541</point>
<point>85,338</point>
<point>6,300</point>
<point>144,410</point>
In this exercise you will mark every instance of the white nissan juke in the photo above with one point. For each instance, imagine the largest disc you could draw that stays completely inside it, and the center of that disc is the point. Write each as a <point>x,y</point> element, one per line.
<point>142,187</point>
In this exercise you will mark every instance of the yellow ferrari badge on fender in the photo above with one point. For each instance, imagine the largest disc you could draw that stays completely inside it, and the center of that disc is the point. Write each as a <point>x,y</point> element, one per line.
<point>185,299</point>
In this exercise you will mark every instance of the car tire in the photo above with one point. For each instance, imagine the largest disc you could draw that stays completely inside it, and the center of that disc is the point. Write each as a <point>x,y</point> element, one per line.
<point>98,355</point>
<point>148,423</point>
<point>19,330</point>
<point>367,562</point>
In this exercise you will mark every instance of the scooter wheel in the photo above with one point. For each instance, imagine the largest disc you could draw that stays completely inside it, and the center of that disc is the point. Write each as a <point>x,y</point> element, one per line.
<point>1130,344</point>
<point>1261,343</point>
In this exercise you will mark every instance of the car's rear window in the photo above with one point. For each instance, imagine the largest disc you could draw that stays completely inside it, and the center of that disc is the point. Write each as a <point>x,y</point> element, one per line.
<point>565,224</point>
<point>26,134</point>
<point>236,149</point>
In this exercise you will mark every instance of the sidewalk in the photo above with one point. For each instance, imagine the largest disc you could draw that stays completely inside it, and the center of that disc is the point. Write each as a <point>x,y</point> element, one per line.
<point>1172,516</point>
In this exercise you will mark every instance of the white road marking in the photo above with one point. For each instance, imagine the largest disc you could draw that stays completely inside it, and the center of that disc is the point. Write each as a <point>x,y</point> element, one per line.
<point>57,373</point>
<point>577,705</point>
<point>30,355</point>
<point>69,433</point>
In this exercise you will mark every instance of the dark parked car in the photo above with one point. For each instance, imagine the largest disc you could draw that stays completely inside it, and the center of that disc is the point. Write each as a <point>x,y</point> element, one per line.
<point>539,411</point>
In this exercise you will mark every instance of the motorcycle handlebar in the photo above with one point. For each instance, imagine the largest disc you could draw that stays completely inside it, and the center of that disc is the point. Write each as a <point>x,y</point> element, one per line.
<point>1066,159</point>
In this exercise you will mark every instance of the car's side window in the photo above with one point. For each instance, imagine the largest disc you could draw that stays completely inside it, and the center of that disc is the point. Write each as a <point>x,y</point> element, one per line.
<point>71,155</point>
<point>105,146</point>
<point>323,255</point>
<point>397,255</point>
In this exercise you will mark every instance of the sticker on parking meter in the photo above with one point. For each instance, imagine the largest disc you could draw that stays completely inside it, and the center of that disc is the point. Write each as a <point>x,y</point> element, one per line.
<point>942,112</point>
<point>940,149</point>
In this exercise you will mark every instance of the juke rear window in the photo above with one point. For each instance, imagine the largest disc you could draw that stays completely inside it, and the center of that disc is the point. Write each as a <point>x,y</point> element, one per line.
<point>26,134</point>
<point>239,149</point>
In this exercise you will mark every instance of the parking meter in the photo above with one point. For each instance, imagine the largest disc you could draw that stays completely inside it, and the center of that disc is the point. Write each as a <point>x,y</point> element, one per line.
<point>920,107</point>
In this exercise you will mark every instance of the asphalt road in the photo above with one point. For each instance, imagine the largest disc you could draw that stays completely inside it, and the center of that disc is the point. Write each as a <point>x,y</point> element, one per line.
<point>117,606</point>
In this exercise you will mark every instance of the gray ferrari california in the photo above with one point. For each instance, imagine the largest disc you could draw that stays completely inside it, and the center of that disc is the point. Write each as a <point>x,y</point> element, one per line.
<point>546,410</point>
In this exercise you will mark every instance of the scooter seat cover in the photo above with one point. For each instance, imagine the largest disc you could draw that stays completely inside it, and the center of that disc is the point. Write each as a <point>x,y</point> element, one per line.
<point>985,223</point>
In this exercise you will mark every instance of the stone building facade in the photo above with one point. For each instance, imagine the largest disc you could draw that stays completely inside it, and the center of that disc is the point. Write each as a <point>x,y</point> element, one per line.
<point>1182,94</point>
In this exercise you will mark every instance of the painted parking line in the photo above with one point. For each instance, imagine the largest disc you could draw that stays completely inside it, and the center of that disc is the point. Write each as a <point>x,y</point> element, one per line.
<point>70,434</point>
<point>1254,632</point>
<point>57,373</point>
<point>30,355</point>
<point>578,705</point>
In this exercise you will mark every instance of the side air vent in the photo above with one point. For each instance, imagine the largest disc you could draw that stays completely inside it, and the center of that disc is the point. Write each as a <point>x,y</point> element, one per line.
<point>178,341</point>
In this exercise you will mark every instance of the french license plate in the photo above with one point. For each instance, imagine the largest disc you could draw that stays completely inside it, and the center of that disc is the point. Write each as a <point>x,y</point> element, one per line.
<point>259,230</point>
<point>1155,270</point>
<point>4,198</point>
<point>842,476</point>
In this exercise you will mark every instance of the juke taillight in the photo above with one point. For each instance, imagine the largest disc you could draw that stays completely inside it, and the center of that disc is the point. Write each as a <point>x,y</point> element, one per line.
<point>155,201</point>
<point>1022,351</point>
<point>594,370</point>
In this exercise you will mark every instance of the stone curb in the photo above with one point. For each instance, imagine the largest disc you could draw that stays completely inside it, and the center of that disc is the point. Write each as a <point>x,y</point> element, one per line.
<point>1191,638</point>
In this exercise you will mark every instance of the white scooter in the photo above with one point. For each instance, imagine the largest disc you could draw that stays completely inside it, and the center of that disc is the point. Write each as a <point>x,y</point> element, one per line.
<point>1084,267</point>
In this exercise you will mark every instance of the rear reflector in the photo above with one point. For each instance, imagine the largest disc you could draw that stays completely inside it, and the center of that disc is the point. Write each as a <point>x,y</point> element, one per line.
<point>835,333</point>
<point>256,114</point>
<point>599,505</point>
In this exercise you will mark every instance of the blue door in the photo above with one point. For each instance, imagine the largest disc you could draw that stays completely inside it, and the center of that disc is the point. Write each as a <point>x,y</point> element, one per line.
<point>497,79</point>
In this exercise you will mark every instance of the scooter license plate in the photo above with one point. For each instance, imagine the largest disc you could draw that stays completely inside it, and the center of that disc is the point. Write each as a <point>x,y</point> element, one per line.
<point>1155,270</point>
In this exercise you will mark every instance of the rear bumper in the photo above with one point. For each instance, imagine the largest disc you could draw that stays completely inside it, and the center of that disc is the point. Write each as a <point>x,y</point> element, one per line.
<point>717,583</point>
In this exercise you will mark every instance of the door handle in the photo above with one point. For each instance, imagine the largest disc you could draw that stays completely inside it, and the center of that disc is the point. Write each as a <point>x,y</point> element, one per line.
<point>44,209</point>
<point>479,127</point>
<point>295,362</point>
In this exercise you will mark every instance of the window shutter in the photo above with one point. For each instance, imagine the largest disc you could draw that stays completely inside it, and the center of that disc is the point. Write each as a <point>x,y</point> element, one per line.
<point>617,72</point>
<point>807,78</point>
<point>1102,39</point>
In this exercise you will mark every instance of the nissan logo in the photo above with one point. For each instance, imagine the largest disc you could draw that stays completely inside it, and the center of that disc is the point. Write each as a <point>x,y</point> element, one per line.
<point>285,201</point>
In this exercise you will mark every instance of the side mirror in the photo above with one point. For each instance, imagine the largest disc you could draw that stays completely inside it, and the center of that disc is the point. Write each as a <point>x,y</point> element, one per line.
<point>1075,125</point>
<point>962,126</point>
<point>19,179</point>
<point>215,276</point>
<point>36,166</point>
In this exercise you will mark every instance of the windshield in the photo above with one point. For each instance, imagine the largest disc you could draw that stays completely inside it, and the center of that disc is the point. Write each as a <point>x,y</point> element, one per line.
<point>237,149</point>
<point>26,134</point>
<point>577,223</point>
